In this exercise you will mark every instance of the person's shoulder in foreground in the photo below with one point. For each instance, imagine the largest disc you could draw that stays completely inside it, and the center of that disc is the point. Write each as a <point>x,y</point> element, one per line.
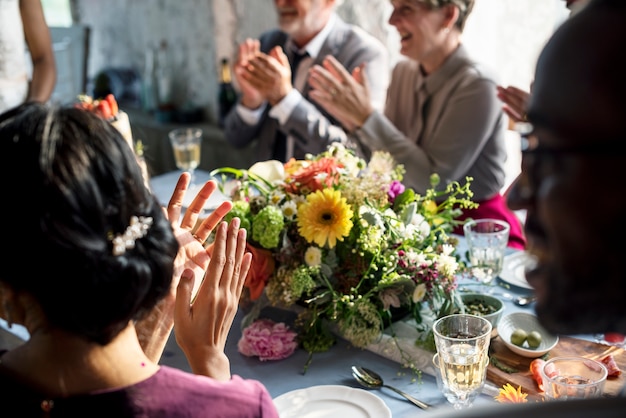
<point>168,393</point>
<point>180,391</point>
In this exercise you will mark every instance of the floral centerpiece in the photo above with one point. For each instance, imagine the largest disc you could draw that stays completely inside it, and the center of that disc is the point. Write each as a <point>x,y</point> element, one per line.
<point>345,242</point>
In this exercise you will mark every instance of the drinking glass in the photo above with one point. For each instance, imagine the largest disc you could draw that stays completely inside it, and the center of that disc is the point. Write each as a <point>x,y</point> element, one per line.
<point>486,241</point>
<point>443,386</point>
<point>186,146</point>
<point>462,343</point>
<point>573,378</point>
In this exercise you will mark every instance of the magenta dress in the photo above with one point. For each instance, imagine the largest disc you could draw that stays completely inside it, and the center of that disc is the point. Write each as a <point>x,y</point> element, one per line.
<point>168,393</point>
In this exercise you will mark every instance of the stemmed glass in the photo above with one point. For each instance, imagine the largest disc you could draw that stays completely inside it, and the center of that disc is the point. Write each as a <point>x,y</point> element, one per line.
<point>186,146</point>
<point>463,349</point>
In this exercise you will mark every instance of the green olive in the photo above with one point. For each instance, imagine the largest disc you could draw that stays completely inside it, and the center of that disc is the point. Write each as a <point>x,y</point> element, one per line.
<point>534,339</point>
<point>518,337</point>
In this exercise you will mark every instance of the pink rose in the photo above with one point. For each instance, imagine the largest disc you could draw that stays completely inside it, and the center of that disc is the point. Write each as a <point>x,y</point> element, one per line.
<point>268,340</point>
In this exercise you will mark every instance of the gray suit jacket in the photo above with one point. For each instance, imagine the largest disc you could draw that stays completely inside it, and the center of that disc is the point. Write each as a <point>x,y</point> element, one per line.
<point>313,128</point>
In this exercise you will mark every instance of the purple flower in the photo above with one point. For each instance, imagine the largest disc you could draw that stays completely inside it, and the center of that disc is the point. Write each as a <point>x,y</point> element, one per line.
<point>268,340</point>
<point>395,188</point>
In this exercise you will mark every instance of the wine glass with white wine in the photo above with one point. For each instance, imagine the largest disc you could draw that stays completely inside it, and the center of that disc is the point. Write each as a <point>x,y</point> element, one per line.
<point>186,146</point>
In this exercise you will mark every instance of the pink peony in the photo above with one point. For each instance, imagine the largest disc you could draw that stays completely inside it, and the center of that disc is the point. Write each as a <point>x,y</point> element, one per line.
<point>268,340</point>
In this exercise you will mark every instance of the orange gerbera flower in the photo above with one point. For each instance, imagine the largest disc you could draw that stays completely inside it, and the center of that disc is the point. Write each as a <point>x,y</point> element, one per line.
<point>508,394</point>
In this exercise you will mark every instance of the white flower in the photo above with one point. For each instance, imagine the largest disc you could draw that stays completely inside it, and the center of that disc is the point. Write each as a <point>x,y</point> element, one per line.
<point>352,164</point>
<point>276,197</point>
<point>419,292</point>
<point>421,224</point>
<point>297,198</point>
<point>313,257</point>
<point>417,258</point>
<point>447,265</point>
<point>272,170</point>
<point>447,249</point>
<point>290,209</point>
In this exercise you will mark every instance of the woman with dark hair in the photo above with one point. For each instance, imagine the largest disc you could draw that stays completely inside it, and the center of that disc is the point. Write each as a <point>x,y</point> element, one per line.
<point>109,277</point>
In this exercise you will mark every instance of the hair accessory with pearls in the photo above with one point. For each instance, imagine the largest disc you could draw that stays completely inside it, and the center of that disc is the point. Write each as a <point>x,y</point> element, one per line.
<point>137,229</point>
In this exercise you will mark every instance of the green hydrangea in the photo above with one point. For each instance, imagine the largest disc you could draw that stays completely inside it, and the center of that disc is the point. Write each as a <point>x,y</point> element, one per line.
<point>302,282</point>
<point>241,210</point>
<point>267,226</point>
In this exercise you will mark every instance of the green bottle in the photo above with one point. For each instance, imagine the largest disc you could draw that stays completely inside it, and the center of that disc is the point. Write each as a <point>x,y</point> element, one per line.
<point>227,95</point>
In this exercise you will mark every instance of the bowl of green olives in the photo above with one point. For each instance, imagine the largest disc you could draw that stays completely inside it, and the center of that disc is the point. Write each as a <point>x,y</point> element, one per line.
<point>523,334</point>
<point>487,306</point>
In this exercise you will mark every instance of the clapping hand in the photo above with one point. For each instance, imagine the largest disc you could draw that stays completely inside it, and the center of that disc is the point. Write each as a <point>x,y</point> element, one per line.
<point>191,235</point>
<point>202,323</point>
<point>250,96</point>
<point>193,258</point>
<point>515,102</point>
<point>269,74</point>
<point>345,96</point>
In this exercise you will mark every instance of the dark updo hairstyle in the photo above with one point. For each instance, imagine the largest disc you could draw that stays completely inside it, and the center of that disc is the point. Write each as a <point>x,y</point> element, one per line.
<point>71,184</point>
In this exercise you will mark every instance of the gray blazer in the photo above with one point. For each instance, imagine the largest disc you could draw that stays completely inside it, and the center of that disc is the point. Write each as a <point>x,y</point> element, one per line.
<point>313,128</point>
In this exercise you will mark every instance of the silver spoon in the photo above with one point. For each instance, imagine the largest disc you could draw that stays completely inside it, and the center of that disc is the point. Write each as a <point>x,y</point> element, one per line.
<point>372,380</point>
<point>520,300</point>
<point>524,300</point>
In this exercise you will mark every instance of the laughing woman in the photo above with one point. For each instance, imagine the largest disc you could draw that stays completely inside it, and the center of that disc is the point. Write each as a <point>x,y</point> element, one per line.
<point>442,114</point>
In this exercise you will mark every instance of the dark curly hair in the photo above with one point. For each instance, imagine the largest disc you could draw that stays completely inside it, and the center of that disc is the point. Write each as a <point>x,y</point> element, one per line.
<point>71,184</point>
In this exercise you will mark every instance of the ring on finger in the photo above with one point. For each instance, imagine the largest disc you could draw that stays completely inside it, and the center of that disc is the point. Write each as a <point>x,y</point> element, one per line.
<point>333,92</point>
<point>197,238</point>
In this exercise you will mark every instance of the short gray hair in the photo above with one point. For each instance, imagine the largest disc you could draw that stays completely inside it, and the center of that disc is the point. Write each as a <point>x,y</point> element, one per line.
<point>465,7</point>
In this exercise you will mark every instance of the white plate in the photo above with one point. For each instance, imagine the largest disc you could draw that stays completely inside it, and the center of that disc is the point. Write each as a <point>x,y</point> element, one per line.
<point>514,268</point>
<point>327,401</point>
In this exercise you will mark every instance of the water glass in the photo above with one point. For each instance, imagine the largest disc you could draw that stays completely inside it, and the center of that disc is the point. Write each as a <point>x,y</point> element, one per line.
<point>573,378</point>
<point>186,146</point>
<point>486,240</point>
<point>462,343</point>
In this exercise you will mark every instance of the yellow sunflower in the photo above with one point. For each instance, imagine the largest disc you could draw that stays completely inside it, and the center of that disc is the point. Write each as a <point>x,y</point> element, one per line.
<point>508,394</point>
<point>324,218</point>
